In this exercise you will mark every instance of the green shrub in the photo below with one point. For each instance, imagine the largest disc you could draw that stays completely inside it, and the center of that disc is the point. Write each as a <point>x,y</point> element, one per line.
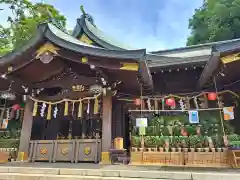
<point>150,141</point>
<point>136,141</point>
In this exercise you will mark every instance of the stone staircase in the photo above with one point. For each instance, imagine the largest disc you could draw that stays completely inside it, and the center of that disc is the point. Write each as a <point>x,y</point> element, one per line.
<point>35,173</point>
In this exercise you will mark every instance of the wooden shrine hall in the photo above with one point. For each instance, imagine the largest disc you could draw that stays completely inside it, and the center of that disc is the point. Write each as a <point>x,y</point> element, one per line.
<point>55,67</point>
<point>76,86</point>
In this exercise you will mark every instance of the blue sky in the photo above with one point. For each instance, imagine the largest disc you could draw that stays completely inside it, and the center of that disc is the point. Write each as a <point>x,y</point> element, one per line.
<point>151,24</point>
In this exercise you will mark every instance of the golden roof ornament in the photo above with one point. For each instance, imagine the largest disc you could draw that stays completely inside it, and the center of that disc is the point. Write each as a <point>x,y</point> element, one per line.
<point>46,53</point>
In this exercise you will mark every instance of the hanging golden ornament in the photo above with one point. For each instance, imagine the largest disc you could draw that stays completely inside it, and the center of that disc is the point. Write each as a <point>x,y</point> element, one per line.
<point>66,108</point>
<point>49,113</point>
<point>96,106</point>
<point>35,108</point>
<point>84,60</point>
<point>80,109</point>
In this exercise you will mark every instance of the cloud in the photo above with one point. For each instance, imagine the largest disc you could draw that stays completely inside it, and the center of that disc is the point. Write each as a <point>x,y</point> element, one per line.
<point>155,24</point>
<point>4,14</point>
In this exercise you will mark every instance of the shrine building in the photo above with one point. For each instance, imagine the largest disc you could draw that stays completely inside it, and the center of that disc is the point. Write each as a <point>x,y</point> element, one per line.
<point>84,91</point>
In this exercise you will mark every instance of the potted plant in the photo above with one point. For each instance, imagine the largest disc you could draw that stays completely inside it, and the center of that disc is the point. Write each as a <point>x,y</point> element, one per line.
<point>205,144</point>
<point>233,137</point>
<point>184,143</point>
<point>178,141</point>
<point>214,143</point>
<point>173,143</point>
<point>160,143</point>
<point>219,143</point>
<point>199,143</point>
<point>166,143</point>
<point>155,143</point>
<point>135,142</point>
<point>193,140</point>
<point>150,142</point>
<point>210,143</point>
<point>234,141</point>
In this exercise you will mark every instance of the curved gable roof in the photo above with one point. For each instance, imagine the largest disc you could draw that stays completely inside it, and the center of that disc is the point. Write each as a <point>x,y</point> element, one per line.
<point>99,37</point>
<point>56,36</point>
<point>48,32</point>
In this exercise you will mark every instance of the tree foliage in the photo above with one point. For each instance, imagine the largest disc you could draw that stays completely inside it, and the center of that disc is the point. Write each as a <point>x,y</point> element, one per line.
<point>23,22</point>
<point>216,20</point>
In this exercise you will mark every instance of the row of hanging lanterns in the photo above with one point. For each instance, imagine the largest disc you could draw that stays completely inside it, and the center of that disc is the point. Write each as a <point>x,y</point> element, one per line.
<point>212,96</point>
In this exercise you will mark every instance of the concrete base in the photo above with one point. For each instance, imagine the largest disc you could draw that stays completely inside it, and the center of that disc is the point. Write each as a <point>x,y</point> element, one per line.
<point>32,173</point>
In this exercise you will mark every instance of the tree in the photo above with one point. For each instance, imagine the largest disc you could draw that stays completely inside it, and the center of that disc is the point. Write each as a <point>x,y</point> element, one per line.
<point>215,20</point>
<point>24,20</point>
<point>5,43</point>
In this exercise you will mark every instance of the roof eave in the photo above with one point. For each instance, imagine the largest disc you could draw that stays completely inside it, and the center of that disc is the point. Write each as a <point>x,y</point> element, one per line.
<point>157,61</point>
<point>219,49</point>
<point>205,45</point>
<point>34,41</point>
<point>95,51</point>
<point>44,33</point>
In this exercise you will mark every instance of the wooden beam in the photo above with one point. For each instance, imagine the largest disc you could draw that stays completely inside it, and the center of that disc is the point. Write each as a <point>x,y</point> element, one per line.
<point>65,81</point>
<point>67,95</point>
<point>146,76</point>
<point>96,66</point>
<point>20,66</point>
<point>209,70</point>
<point>78,58</point>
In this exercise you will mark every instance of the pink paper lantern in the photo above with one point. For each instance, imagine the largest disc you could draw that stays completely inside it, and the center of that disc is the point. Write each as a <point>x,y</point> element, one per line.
<point>137,102</point>
<point>16,107</point>
<point>170,102</point>
<point>212,96</point>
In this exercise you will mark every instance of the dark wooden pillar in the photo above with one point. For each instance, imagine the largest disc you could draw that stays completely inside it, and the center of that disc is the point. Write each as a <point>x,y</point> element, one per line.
<point>117,119</point>
<point>106,127</point>
<point>26,129</point>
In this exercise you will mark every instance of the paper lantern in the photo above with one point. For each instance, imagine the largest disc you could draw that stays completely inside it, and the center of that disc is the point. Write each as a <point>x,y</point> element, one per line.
<point>16,107</point>
<point>212,96</point>
<point>137,102</point>
<point>170,102</point>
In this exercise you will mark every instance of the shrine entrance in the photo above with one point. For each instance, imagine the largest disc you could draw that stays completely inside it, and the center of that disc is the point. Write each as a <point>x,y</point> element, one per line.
<point>72,89</point>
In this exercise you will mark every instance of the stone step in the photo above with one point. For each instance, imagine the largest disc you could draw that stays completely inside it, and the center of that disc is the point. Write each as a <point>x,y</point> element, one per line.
<point>17,176</point>
<point>117,174</point>
<point>98,173</point>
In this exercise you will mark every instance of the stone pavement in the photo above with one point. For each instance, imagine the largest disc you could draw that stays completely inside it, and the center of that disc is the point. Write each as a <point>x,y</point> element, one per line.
<point>67,171</point>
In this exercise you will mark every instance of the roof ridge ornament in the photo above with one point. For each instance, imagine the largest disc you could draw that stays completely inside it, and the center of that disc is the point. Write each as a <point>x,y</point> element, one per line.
<point>87,16</point>
<point>82,9</point>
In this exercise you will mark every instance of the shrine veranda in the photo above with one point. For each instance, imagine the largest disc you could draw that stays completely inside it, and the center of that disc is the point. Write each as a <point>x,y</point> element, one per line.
<point>84,98</point>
